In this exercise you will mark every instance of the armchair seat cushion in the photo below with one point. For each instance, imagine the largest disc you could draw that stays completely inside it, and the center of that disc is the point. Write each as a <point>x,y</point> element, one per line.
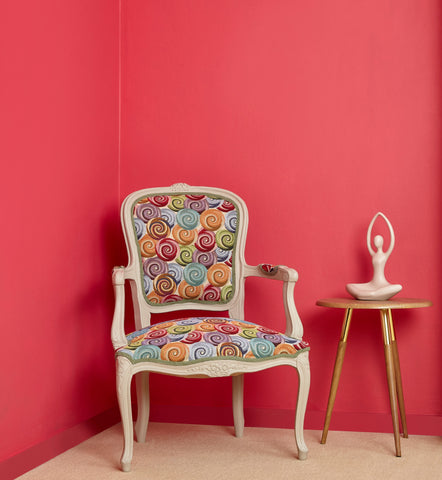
<point>197,339</point>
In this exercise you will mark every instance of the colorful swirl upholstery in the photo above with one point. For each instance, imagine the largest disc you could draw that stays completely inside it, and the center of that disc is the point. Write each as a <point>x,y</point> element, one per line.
<point>185,245</point>
<point>202,338</point>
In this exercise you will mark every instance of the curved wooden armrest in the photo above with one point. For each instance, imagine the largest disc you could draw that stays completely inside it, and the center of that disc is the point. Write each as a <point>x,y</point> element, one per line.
<point>117,332</point>
<point>289,276</point>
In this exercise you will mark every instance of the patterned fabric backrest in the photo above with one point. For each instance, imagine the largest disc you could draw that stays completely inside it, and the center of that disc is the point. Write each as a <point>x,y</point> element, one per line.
<point>186,246</point>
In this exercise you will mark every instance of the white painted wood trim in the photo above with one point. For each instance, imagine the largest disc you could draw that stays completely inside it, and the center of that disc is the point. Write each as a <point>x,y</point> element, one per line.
<point>289,277</point>
<point>117,330</point>
<point>215,368</point>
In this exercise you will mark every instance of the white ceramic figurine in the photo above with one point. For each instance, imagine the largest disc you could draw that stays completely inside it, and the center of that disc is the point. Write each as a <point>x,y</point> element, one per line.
<point>378,288</point>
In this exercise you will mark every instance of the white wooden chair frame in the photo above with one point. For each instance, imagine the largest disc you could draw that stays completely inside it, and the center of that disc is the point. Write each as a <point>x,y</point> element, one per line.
<point>213,368</point>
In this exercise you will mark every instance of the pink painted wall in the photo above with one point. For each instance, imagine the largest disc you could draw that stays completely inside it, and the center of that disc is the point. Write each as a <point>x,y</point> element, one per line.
<point>319,114</point>
<point>59,197</point>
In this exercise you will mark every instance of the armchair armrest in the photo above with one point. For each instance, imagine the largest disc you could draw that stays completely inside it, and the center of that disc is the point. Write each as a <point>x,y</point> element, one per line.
<point>275,272</point>
<point>117,332</point>
<point>289,276</point>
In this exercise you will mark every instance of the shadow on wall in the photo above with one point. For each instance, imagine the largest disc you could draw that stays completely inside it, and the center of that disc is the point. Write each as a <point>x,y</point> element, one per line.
<point>93,386</point>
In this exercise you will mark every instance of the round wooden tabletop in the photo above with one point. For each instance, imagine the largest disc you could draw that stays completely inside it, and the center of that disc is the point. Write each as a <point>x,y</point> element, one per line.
<point>374,304</point>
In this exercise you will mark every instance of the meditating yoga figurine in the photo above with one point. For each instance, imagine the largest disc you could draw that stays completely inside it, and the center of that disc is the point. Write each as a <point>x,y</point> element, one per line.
<point>378,288</point>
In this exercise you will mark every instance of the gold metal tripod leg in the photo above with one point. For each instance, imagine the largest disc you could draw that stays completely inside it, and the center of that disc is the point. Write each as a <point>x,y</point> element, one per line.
<point>397,371</point>
<point>342,345</point>
<point>391,378</point>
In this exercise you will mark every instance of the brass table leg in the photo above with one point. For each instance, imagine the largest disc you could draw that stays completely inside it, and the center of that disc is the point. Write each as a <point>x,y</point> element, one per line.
<point>391,377</point>
<point>342,345</point>
<point>397,371</point>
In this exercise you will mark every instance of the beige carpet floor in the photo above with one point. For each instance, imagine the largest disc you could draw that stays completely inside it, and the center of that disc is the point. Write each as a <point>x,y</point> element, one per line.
<point>202,452</point>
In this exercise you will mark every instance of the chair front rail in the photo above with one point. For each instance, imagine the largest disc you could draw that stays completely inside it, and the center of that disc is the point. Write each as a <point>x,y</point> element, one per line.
<point>218,368</point>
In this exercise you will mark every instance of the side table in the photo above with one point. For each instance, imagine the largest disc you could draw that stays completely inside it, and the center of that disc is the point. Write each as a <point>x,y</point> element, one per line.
<point>390,349</point>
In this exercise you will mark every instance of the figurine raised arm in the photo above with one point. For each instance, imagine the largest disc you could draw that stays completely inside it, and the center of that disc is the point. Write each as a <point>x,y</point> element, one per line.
<point>378,288</point>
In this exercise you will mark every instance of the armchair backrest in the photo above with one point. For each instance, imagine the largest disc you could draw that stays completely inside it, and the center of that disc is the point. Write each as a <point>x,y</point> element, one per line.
<point>186,250</point>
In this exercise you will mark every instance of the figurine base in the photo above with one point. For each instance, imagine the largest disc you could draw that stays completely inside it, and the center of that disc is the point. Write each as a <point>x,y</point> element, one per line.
<point>368,291</point>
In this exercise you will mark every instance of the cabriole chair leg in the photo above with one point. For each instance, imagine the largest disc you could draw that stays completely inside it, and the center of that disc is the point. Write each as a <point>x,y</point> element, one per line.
<point>303,369</point>
<point>124,377</point>
<point>142,382</point>
<point>238,404</point>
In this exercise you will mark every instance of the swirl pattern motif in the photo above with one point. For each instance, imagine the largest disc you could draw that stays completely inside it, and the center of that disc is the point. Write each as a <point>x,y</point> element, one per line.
<point>168,216</point>
<point>147,211</point>
<point>147,246</point>
<point>261,348</point>
<point>156,333</point>
<point>218,274</point>
<point>227,328</point>
<point>176,203</point>
<point>211,294</point>
<point>176,271</point>
<point>193,337</point>
<point>231,221</point>
<point>158,342</point>
<point>222,255</point>
<point>212,219</point>
<point>207,338</point>
<point>197,204</point>
<point>202,350</point>
<point>189,292</point>
<point>206,241</point>
<point>160,200</point>
<point>226,206</point>
<point>164,285</point>
<point>216,338</point>
<point>153,267</point>
<point>147,282</point>
<point>187,218</point>
<point>176,337</point>
<point>188,321</point>
<point>271,337</point>
<point>229,349</point>
<point>225,239</point>
<point>205,258</point>
<point>180,329</point>
<point>147,352</point>
<point>195,274</point>
<point>190,239</point>
<point>183,236</point>
<point>174,352</point>
<point>214,202</point>
<point>185,255</point>
<point>241,343</point>
<point>140,227</point>
<point>158,228</point>
<point>171,299</point>
<point>226,293</point>
<point>166,249</point>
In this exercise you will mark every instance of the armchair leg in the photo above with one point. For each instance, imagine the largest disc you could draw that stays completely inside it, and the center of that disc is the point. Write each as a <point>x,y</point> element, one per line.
<point>142,384</point>
<point>124,377</point>
<point>303,368</point>
<point>238,404</point>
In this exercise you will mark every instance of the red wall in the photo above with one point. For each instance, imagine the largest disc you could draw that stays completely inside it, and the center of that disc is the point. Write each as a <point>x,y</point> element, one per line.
<point>319,114</point>
<point>59,197</point>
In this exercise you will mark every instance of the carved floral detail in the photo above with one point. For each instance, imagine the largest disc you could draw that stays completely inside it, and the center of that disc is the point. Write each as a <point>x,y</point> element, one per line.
<point>176,187</point>
<point>214,370</point>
